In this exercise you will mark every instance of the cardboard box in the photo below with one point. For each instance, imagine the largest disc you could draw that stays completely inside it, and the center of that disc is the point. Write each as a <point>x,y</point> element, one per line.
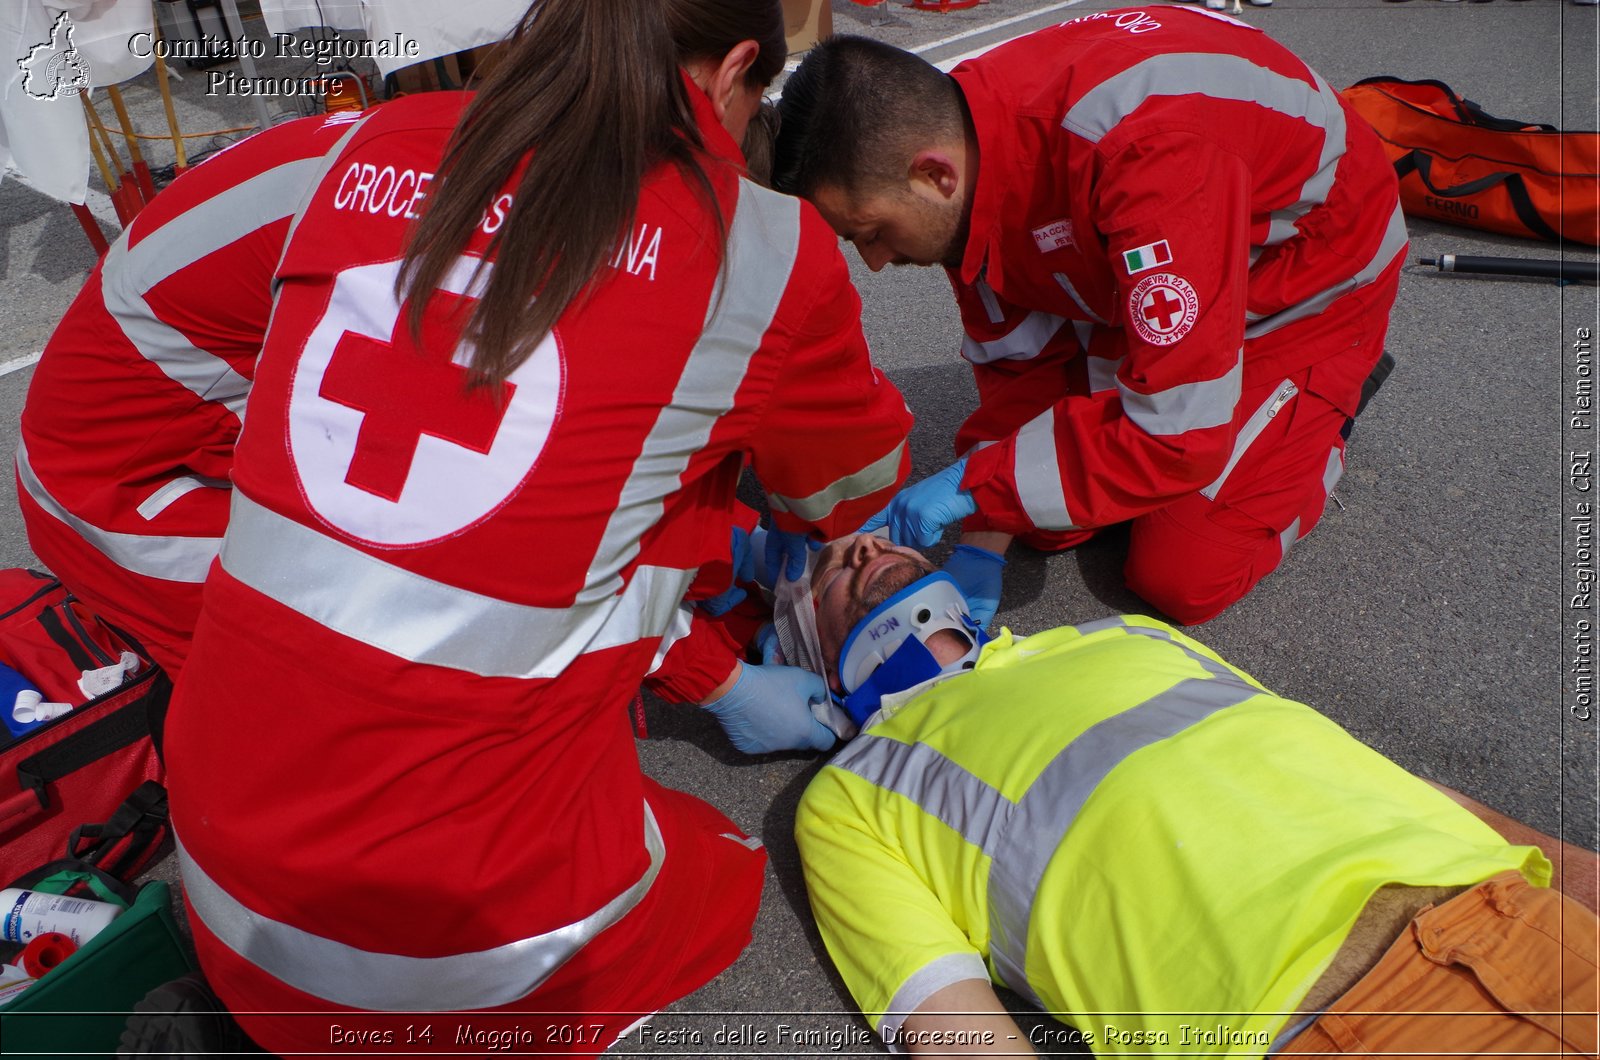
<point>430,75</point>
<point>805,22</point>
<point>459,70</point>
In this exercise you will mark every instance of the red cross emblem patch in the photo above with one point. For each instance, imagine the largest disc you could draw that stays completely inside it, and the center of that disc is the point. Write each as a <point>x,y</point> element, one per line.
<point>389,443</point>
<point>1163,308</point>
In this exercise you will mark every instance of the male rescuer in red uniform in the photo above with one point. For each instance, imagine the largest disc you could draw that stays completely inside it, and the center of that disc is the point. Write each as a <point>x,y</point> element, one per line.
<point>127,436</point>
<point>1174,250</point>
<point>402,774</point>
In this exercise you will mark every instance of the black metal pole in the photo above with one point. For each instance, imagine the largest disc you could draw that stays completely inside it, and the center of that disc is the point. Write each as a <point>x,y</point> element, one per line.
<point>1541,268</point>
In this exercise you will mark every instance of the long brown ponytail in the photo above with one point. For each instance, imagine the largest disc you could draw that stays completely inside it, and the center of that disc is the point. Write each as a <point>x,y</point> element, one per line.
<point>594,86</point>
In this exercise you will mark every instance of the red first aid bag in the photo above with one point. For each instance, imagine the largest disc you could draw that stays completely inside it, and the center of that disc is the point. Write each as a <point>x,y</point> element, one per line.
<point>80,766</point>
<point>1460,164</point>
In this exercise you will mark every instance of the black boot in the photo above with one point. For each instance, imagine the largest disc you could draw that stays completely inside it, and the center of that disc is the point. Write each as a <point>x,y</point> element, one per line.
<point>1380,372</point>
<point>183,1018</point>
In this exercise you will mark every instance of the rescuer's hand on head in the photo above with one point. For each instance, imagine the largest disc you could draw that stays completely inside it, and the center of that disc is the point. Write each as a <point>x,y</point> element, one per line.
<point>977,571</point>
<point>769,709</point>
<point>919,513</point>
<point>787,551</point>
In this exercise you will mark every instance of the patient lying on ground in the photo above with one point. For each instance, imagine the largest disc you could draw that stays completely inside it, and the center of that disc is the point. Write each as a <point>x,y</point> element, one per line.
<point>1127,831</point>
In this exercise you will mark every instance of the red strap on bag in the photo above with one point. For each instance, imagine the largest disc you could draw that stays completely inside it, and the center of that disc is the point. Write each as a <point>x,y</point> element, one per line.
<point>80,766</point>
<point>52,638</point>
<point>1458,163</point>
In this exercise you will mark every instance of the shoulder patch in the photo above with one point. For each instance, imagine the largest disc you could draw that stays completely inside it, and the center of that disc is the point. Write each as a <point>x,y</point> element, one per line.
<point>1163,308</point>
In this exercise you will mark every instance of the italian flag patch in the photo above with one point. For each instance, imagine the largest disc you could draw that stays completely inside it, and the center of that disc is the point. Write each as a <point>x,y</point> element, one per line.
<point>1146,257</point>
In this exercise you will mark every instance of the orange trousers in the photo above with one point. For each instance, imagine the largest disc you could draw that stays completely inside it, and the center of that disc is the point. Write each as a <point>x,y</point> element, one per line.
<point>1504,969</point>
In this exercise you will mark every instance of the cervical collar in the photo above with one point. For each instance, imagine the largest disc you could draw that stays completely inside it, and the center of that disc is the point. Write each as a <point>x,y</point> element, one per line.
<point>886,652</point>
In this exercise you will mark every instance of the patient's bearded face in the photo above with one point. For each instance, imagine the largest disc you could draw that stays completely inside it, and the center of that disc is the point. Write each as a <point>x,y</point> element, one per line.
<point>852,576</point>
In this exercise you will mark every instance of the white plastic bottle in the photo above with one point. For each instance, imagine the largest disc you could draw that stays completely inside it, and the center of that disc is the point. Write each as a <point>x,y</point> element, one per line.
<point>25,914</point>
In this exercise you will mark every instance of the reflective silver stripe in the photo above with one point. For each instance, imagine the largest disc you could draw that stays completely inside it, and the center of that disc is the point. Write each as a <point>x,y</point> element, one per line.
<point>877,475</point>
<point>391,982</point>
<point>1187,406</point>
<point>1290,535</point>
<point>175,489</point>
<point>1333,471</point>
<point>1021,837</point>
<point>1207,663</point>
<point>1084,330</point>
<point>1101,624</point>
<point>980,446</point>
<point>991,304</point>
<point>1038,474</point>
<point>1102,373</point>
<point>1047,810</point>
<point>1072,293</point>
<point>1330,118</point>
<point>1021,343</point>
<point>1209,74</point>
<point>763,244</point>
<point>1225,77</point>
<point>944,790</point>
<point>408,616</point>
<point>129,273</point>
<point>173,559</point>
<point>1392,246</point>
<point>682,623</point>
<point>1251,431</point>
<point>923,984</point>
<point>1280,228</point>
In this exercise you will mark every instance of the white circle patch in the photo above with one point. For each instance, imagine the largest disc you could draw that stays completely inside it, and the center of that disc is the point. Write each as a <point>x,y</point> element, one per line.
<point>387,442</point>
<point>1163,308</point>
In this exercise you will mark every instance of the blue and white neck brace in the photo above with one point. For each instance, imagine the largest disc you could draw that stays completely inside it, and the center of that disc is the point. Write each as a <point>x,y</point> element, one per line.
<point>887,652</point>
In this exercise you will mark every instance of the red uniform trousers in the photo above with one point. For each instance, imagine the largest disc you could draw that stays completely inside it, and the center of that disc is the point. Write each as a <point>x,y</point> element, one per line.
<point>692,923</point>
<point>1195,557</point>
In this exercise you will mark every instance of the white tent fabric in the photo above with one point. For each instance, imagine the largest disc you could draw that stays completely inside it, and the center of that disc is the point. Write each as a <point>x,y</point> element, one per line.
<point>437,28</point>
<point>286,16</point>
<point>44,139</point>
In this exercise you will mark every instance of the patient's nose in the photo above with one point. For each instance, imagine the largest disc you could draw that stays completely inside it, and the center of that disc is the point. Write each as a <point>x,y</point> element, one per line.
<point>864,548</point>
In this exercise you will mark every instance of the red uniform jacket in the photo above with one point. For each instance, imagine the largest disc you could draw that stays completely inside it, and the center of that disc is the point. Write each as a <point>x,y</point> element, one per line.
<point>1171,209</point>
<point>408,777</point>
<point>128,431</point>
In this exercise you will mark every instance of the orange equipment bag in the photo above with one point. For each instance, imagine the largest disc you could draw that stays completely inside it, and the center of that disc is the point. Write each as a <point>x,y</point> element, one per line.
<point>1457,163</point>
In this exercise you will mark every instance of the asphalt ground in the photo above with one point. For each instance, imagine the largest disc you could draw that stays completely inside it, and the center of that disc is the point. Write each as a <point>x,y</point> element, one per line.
<point>1431,613</point>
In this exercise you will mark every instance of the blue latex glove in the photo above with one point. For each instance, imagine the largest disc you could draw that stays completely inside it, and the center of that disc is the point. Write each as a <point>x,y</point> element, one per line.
<point>919,513</point>
<point>744,570</point>
<point>767,645</point>
<point>787,552</point>
<point>769,709</point>
<point>977,571</point>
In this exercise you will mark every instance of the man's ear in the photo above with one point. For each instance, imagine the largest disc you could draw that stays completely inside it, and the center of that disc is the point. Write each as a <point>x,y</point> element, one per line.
<point>729,76</point>
<point>935,171</point>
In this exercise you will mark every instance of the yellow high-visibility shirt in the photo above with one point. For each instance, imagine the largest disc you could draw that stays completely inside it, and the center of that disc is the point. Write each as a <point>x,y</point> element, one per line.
<point>1124,829</point>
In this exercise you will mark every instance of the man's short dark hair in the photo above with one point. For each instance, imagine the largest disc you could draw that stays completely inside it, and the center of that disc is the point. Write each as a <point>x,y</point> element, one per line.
<point>855,112</point>
<point>760,139</point>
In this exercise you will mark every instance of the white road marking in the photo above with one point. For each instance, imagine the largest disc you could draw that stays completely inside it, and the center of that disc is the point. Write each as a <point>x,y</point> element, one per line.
<point>949,64</point>
<point>19,363</point>
<point>992,26</point>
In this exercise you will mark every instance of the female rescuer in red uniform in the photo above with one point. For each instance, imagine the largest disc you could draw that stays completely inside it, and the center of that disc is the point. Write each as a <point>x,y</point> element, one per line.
<point>488,454</point>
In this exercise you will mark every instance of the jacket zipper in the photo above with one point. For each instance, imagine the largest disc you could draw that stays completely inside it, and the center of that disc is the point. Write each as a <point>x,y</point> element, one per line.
<point>1250,432</point>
